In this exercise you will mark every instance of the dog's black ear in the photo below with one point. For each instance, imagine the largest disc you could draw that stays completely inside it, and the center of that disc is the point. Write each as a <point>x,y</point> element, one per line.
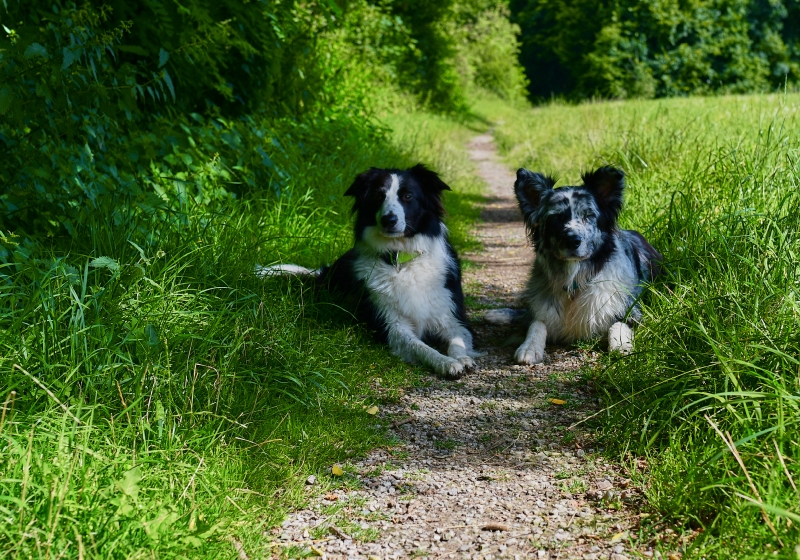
<point>428,180</point>
<point>607,185</point>
<point>530,188</point>
<point>363,183</point>
<point>432,185</point>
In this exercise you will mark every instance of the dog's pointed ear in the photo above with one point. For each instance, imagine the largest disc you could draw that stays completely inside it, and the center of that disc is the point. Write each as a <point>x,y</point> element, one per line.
<point>607,184</point>
<point>432,185</point>
<point>365,181</point>
<point>429,180</point>
<point>530,188</point>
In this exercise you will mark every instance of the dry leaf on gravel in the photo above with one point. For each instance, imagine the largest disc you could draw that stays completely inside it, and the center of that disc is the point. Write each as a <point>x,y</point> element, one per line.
<point>402,422</point>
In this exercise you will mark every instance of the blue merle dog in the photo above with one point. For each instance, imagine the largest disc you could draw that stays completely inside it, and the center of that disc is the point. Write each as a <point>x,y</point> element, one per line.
<point>588,273</point>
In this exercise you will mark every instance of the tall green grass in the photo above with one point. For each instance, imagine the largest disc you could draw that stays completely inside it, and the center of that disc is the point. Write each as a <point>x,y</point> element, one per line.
<point>711,396</point>
<point>159,400</point>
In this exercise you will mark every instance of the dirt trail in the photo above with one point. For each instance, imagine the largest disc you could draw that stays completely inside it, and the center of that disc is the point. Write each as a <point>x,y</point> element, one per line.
<point>506,258</point>
<point>485,467</point>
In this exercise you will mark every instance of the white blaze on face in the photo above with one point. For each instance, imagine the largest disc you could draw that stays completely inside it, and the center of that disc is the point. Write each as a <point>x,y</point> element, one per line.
<point>391,205</point>
<point>574,225</point>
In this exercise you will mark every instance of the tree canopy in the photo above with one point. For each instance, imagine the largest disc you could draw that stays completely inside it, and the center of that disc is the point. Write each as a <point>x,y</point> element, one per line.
<point>644,48</point>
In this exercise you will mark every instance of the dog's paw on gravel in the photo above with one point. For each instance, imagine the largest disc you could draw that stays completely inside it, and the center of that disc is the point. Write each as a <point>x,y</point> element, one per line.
<point>467,362</point>
<point>450,368</point>
<point>529,354</point>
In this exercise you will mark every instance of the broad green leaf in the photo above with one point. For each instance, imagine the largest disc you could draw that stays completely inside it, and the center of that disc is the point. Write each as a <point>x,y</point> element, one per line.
<point>168,81</point>
<point>161,524</point>
<point>152,335</point>
<point>69,57</point>
<point>129,483</point>
<point>105,262</point>
<point>163,57</point>
<point>35,49</point>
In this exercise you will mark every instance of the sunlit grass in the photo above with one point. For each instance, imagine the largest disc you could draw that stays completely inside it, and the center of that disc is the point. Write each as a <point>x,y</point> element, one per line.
<point>159,399</point>
<point>712,394</point>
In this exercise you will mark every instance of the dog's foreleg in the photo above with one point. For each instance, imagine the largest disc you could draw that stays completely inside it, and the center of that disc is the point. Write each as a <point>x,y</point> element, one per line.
<point>407,345</point>
<point>532,350</point>
<point>620,338</point>
<point>459,346</point>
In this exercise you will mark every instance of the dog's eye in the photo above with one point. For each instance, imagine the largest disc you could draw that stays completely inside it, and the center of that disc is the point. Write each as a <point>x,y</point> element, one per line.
<point>406,196</point>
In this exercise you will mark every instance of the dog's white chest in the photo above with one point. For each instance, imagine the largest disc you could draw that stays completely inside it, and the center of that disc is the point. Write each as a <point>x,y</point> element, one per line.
<point>413,293</point>
<point>590,310</point>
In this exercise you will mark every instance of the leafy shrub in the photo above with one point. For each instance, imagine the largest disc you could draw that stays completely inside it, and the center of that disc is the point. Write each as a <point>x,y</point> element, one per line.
<point>488,49</point>
<point>632,48</point>
<point>130,109</point>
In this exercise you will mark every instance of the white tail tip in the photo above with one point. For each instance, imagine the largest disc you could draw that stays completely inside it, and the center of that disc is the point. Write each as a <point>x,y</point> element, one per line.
<point>284,270</point>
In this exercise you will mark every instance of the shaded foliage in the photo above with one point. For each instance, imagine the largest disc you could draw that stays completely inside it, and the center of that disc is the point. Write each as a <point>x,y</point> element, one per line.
<point>124,108</point>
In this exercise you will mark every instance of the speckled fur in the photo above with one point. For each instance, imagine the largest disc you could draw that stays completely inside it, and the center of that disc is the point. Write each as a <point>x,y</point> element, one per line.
<point>588,274</point>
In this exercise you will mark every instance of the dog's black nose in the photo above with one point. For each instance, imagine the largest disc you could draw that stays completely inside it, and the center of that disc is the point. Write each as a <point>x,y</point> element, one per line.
<point>388,220</point>
<point>572,241</point>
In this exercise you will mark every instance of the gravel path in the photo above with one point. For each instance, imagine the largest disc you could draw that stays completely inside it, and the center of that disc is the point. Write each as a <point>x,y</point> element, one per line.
<point>484,467</point>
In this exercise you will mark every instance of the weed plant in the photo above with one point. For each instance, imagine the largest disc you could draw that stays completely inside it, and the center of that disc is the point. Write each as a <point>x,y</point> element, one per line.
<point>711,396</point>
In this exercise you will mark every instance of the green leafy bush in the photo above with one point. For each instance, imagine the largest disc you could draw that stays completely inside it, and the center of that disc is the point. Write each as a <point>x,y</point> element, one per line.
<point>158,397</point>
<point>127,109</point>
<point>487,49</point>
<point>633,48</point>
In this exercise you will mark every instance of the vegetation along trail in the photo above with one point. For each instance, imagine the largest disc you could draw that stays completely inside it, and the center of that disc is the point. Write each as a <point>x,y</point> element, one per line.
<point>159,400</point>
<point>484,466</point>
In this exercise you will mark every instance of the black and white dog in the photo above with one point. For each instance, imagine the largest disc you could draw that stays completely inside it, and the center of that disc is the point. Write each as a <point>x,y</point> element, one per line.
<point>402,277</point>
<point>588,274</point>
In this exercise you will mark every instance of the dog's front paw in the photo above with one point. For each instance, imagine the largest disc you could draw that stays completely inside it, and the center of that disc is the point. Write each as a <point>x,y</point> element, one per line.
<point>466,361</point>
<point>529,354</point>
<point>450,368</point>
<point>620,338</point>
